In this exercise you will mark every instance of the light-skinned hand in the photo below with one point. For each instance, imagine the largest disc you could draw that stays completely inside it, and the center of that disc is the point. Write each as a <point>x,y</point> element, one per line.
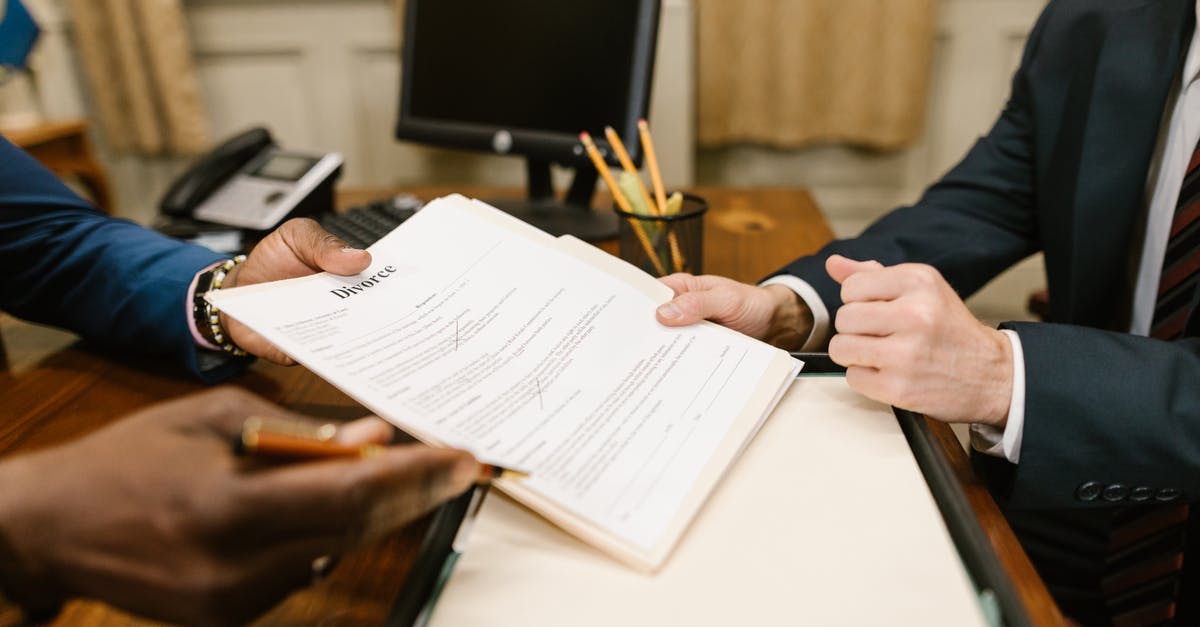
<point>299,247</point>
<point>774,314</point>
<point>155,514</point>
<point>908,340</point>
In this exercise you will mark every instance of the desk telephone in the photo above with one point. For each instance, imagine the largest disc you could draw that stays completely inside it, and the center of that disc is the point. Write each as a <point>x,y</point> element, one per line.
<point>250,183</point>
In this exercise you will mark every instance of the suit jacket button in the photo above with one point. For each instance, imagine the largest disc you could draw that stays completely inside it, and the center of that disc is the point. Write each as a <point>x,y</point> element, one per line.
<point>1168,494</point>
<point>1141,493</point>
<point>1089,491</point>
<point>1115,492</point>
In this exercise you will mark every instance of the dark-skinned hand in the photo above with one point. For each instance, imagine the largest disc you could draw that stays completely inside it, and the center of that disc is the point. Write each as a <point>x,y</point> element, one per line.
<point>156,515</point>
<point>299,247</point>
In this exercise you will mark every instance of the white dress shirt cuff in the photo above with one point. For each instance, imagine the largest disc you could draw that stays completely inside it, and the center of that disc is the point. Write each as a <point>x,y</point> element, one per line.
<point>820,334</point>
<point>1007,443</point>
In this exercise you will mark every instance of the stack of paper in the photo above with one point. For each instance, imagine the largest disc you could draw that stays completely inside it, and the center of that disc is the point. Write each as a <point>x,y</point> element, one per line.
<point>826,521</point>
<point>474,330</point>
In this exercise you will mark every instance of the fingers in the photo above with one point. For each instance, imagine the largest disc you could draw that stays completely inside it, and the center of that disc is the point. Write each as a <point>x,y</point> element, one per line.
<point>251,342</point>
<point>405,489</point>
<point>868,280</point>
<point>355,500</point>
<point>839,267</point>
<point>221,410</point>
<point>369,430</point>
<point>225,409</point>
<point>321,250</point>
<point>299,247</point>
<point>679,282</point>
<point>682,282</point>
<point>859,350</point>
<point>866,318</point>
<point>252,582</point>
<point>697,298</point>
<point>234,588</point>
<point>872,383</point>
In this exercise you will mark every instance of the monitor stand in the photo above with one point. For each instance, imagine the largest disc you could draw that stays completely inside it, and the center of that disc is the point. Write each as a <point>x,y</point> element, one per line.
<point>571,216</point>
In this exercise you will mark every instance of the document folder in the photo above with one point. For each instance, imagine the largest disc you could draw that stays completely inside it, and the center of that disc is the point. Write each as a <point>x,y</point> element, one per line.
<point>825,520</point>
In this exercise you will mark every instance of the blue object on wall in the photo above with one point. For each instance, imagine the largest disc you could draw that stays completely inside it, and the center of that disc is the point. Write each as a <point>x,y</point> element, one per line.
<point>18,33</point>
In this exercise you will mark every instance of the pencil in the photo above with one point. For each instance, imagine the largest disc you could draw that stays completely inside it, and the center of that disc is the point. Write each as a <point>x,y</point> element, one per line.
<point>623,157</point>
<point>253,440</point>
<point>660,194</point>
<point>618,147</point>
<point>620,199</point>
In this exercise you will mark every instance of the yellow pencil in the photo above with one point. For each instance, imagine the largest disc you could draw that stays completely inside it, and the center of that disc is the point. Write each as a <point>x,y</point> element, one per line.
<point>660,194</point>
<point>627,164</point>
<point>622,202</point>
<point>652,163</point>
<point>618,147</point>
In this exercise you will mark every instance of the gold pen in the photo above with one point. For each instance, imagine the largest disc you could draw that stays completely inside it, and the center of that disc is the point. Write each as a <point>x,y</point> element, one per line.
<point>280,440</point>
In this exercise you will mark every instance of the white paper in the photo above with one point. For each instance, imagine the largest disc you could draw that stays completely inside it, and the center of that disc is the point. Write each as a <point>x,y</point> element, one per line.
<point>475,334</point>
<point>826,521</point>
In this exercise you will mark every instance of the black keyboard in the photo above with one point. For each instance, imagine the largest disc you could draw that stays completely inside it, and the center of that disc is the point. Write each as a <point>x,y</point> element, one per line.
<point>363,225</point>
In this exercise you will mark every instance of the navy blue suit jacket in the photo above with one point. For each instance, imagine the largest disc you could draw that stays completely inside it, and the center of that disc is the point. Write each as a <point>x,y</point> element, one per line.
<point>1064,171</point>
<point>117,284</point>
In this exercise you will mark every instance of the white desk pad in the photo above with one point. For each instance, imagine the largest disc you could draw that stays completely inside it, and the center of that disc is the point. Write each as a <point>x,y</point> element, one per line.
<point>825,520</point>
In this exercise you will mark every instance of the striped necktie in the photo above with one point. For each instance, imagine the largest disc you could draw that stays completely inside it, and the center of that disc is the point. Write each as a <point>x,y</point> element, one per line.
<point>1181,263</point>
<point>1145,557</point>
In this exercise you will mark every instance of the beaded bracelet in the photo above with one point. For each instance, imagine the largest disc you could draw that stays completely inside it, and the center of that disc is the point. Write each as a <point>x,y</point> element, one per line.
<point>207,316</point>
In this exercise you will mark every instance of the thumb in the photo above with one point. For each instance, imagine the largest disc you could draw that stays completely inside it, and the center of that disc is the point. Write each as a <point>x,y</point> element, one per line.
<point>840,268</point>
<point>321,250</point>
<point>365,497</point>
<point>411,480</point>
<point>690,308</point>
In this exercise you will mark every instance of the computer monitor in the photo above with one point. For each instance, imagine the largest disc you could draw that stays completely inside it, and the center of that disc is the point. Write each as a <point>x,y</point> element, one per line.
<point>525,77</point>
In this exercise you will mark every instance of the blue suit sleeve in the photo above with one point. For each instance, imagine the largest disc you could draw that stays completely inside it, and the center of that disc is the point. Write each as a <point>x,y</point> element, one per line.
<point>115,283</point>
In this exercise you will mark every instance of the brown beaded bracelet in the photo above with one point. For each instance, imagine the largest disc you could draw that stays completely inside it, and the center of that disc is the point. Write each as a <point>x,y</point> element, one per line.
<point>207,316</point>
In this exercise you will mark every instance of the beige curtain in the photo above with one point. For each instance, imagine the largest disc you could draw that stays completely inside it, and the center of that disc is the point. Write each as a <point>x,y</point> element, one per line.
<point>790,73</point>
<point>138,62</point>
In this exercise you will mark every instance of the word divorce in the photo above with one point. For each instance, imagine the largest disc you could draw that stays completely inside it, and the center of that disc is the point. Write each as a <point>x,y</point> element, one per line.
<point>365,284</point>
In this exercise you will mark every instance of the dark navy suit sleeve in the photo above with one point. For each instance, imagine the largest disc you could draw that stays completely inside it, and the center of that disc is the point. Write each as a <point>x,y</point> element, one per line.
<point>1101,406</point>
<point>115,283</point>
<point>1106,407</point>
<point>971,225</point>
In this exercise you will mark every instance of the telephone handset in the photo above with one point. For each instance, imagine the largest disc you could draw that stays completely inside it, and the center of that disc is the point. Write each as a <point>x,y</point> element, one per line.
<point>250,183</point>
<point>212,170</point>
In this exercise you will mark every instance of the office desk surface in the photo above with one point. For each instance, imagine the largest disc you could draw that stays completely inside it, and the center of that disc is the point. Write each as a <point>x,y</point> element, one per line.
<point>53,389</point>
<point>825,505</point>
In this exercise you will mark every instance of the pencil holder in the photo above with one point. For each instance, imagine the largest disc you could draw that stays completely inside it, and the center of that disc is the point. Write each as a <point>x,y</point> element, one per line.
<point>664,244</point>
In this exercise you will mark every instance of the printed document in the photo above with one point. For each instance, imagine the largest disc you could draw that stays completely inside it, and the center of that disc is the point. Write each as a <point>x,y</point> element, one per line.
<point>473,330</point>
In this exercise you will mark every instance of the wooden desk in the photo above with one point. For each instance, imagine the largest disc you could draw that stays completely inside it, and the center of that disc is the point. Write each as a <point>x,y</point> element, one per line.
<point>63,147</point>
<point>54,389</point>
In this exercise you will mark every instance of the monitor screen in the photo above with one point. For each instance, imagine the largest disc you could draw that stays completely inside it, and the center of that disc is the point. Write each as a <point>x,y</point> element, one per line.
<point>536,71</point>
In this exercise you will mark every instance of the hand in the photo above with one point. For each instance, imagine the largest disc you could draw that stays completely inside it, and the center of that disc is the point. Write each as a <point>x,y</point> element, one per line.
<point>299,247</point>
<point>155,514</point>
<point>907,339</point>
<point>774,314</point>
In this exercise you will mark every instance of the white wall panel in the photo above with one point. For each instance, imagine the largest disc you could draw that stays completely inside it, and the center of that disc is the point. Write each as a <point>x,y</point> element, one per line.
<point>323,75</point>
<point>251,88</point>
